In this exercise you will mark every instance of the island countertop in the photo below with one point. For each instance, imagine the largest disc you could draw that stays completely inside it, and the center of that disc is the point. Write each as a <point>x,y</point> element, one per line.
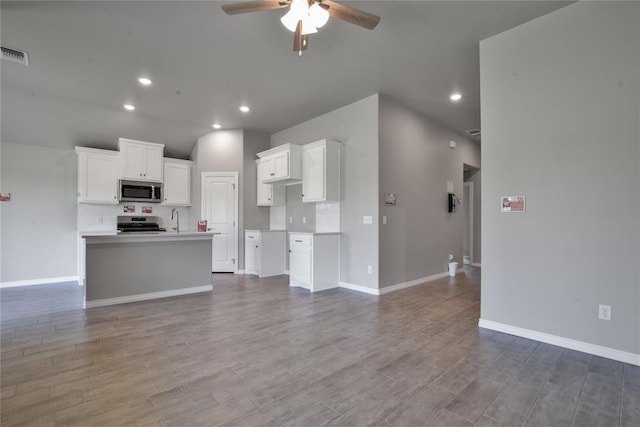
<point>163,236</point>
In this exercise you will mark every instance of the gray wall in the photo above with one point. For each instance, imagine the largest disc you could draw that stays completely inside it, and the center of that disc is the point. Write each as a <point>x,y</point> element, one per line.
<point>356,126</point>
<point>39,224</point>
<point>219,151</point>
<point>416,163</point>
<point>560,125</point>
<point>254,217</point>
<point>232,151</point>
<point>475,176</point>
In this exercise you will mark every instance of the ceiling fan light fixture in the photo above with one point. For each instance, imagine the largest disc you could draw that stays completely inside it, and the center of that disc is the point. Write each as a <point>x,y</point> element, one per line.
<point>319,15</point>
<point>290,21</point>
<point>308,27</point>
<point>298,11</point>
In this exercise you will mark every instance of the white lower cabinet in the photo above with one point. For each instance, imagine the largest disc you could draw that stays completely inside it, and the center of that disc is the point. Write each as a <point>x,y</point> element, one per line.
<point>314,260</point>
<point>265,252</point>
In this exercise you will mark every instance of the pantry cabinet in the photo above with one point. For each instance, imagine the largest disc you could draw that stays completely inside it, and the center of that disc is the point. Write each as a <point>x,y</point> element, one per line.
<point>177,182</point>
<point>265,252</point>
<point>314,260</point>
<point>140,161</point>
<point>321,171</point>
<point>97,176</point>
<point>281,164</point>
<point>268,194</point>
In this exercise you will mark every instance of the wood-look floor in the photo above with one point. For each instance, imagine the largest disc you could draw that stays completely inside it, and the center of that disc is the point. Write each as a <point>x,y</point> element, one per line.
<point>255,352</point>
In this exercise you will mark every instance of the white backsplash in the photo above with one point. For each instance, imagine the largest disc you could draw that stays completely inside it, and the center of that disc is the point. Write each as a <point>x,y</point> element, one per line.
<point>104,217</point>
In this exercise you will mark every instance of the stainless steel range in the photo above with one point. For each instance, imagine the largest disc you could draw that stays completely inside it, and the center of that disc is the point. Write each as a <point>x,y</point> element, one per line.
<point>140,224</point>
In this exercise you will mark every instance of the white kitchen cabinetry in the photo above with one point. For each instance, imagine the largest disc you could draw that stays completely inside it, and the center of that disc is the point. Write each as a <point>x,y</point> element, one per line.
<point>97,176</point>
<point>321,171</point>
<point>265,252</point>
<point>177,182</point>
<point>281,164</point>
<point>140,161</point>
<point>314,260</point>
<point>268,194</point>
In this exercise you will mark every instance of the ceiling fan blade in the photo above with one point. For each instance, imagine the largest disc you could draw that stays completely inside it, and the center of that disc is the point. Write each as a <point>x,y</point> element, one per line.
<point>254,6</point>
<point>351,14</point>
<point>300,41</point>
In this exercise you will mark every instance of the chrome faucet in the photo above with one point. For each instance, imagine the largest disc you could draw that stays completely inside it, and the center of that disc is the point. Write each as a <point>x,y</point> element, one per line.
<point>174,211</point>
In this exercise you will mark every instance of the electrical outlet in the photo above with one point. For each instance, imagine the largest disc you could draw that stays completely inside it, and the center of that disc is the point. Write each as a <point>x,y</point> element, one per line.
<point>604,312</point>
<point>370,269</point>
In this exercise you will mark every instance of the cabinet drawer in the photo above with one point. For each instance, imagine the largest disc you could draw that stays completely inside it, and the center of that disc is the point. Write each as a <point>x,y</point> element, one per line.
<point>253,236</point>
<point>300,241</point>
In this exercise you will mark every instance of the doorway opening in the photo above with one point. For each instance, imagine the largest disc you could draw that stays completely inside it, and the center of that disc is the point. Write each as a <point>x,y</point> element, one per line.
<point>471,214</point>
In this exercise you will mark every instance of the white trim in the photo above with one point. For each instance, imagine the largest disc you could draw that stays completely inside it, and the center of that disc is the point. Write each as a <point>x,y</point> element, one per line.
<point>598,350</point>
<point>360,288</point>
<point>476,264</point>
<point>414,282</point>
<point>469,204</point>
<point>32,282</point>
<point>398,286</point>
<point>143,297</point>
<point>235,176</point>
<point>286,272</point>
<point>241,272</point>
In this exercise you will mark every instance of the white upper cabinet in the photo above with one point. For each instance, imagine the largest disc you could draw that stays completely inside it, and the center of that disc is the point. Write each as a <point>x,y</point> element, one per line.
<point>268,194</point>
<point>321,171</point>
<point>282,164</point>
<point>140,161</point>
<point>177,182</point>
<point>97,176</point>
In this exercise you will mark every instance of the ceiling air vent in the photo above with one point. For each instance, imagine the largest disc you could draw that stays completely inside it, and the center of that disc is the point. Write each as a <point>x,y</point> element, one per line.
<point>15,55</point>
<point>473,132</point>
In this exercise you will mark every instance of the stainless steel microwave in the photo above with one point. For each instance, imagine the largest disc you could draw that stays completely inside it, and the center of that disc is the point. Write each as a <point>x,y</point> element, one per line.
<point>136,191</point>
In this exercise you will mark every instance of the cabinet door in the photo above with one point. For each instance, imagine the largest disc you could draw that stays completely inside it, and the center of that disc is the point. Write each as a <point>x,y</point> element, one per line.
<point>251,256</point>
<point>152,163</point>
<point>177,184</point>
<point>281,165</point>
<point>268,166</point>
<point>97,178</point>
<point>264,191</point>
<point>300,266</point>
<point>313,169</point>
<point>132,161</point>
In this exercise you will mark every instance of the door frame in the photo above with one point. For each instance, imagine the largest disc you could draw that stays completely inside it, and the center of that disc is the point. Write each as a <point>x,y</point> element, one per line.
<point>233,175</point>
<point>469,203</point>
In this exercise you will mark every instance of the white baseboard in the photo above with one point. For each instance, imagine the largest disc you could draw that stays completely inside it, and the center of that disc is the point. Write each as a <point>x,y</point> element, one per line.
<point>585,347</point>
<point>32,282</point>
<point>360,288</point>
<point>241,272</point>
<point>398,286</point>
<point>476,264</point>
<point>415,282</point>
<point>143,297</point>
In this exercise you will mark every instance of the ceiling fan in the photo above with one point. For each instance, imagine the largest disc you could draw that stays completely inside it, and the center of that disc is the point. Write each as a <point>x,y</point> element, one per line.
<point>306,16</point>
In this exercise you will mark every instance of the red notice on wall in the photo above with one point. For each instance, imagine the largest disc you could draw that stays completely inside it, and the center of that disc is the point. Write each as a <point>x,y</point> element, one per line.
<point>5,197</point>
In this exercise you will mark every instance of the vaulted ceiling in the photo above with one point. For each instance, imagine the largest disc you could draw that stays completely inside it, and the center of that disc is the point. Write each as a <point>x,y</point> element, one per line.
<point>85,58</point>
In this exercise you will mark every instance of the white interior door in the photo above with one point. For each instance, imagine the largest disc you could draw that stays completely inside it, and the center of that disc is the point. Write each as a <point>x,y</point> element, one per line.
<point>219,208</point>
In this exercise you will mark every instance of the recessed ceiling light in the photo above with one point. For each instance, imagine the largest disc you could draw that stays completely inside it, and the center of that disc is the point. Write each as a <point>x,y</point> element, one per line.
<point>455,97</point>
<point>217,125</point>
<point>244,109</point>
<point>129,107</point>
<point>144,81</point>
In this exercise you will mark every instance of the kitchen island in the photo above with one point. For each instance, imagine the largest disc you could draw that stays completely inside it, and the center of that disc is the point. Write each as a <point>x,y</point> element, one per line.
<point>132,267</point>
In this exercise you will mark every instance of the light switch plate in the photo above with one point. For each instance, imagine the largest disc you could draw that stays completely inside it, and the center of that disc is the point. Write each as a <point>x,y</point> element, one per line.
<point>384,219</point>
<point>449,186</point>
<point>290,220</point>
<point>367,219</point>
<point>304,219</point>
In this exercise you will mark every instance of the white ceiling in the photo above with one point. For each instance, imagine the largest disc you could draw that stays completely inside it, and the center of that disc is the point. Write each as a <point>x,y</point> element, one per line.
<point>86,56</point>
